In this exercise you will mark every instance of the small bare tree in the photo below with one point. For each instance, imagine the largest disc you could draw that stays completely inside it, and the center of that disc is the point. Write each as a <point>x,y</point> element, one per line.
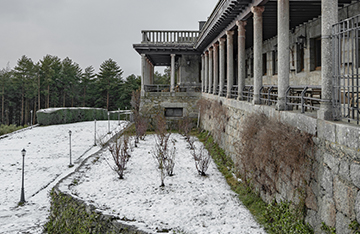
<point>141,123</point>
<point>202,160</point>
<point>164,153</point>
<point>120,153</point>
<point>185,126</point>
<point>170,162</point>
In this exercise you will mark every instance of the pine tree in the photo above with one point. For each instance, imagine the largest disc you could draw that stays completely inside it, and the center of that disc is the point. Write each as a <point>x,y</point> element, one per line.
<point>109,78</point>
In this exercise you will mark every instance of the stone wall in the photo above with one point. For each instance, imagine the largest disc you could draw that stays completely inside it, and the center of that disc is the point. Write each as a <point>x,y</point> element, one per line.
<point>331,195</point>
<point>154,103</point>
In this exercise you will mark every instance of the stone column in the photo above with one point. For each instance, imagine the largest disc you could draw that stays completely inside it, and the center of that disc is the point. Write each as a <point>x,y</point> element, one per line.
<point>151,74</point>
<point>202,72</point>
<point>258,38</point>
<point>211,63</point>
<point>329,16</point>
<point>283,52</point>
<point>172,77</point>
<point>206,71</point>
<point>143,72</point>
<point>241,57</point>
<point>221,65</point>
<point>216,67</point>
<point>230,62</point>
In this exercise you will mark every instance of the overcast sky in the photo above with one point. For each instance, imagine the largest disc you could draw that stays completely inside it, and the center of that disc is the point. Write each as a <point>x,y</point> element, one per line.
<point>90,31</point>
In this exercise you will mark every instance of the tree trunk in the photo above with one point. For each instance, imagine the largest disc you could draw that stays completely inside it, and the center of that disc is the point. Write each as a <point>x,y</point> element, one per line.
<point>107,100</point>
<point>26,118</point>
<point>3,105</point>
<point>84,96</point>
<point>22,107</point>
<point>34,113</point>
<point>48,97</point>
<point>39,106</point>
<point>64,98</point>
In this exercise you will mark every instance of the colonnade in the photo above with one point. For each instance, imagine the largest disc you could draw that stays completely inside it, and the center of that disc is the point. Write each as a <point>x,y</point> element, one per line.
<point>213,58</point>
<point>147,72</point>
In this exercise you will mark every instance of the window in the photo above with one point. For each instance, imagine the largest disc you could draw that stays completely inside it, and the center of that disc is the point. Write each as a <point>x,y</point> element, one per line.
<point>299,58</point>
<point>246,68</point>
<point>275,62</point>
<point>264,64</point>
<point>315,54</point>
<point>173,112</point>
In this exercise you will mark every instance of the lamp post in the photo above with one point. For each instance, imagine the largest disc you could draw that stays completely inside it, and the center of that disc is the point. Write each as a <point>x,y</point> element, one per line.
<point>109,122</point>
<point>70,165</point>
<point>126,114</point>
<point>95,132</point>
<point>22,197</point>
<point>119,116</point>
<point>31,119</point>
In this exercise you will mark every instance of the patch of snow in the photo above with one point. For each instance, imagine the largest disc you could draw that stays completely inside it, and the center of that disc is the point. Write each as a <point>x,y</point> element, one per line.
<point>46,162</point>
<point>189,203</point>
<point>51,110</point>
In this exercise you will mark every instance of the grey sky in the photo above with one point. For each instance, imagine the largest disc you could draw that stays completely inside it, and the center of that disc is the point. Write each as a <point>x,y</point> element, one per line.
<point>90,31</point>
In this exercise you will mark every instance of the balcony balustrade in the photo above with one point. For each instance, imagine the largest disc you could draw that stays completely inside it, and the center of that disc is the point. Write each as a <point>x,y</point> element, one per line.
<point>169,37</point>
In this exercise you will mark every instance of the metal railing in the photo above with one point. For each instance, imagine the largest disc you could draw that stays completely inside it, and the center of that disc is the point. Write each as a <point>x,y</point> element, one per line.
<point>223,93</point>
<point>269,94</point>
<point>157,88</point>
<point>304,97</point>
<point>172,36</point>
<point>234,92</point>
<point>217,90</point>
<point>166,88</point>
<point>248,92</point>
<point>345,42</point>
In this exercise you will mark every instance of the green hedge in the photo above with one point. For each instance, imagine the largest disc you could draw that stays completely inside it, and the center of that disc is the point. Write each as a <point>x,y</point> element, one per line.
<point>52,116</point>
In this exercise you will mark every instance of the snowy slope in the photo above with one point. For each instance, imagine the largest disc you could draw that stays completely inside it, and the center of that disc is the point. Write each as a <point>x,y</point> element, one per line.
<point>46,162</point>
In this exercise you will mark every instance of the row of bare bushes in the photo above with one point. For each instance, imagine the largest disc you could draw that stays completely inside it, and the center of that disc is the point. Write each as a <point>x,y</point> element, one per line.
<point>164,151</point>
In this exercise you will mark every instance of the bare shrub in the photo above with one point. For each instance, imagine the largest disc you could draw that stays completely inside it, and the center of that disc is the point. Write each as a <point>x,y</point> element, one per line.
<point>160,127</point>
<point>141,127</point>
<point>185,126</point>
<point>202,160</point>
<point>141,123</point>
<point>120,154</point>
<point>164,156</point>
<point>163,152</point>
<point>269,148</point>
<point>191,142</point>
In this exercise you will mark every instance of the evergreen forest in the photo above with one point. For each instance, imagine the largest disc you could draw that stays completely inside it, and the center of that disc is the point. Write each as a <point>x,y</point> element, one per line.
<point>54,82</point>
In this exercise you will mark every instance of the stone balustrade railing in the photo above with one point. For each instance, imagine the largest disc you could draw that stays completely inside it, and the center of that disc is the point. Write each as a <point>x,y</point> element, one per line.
<point>154,37</point>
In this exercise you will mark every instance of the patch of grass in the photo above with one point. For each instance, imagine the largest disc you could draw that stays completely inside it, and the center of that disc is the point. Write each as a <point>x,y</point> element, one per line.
<point>250,199</point>
<point>355,226</point>
<point>5,129</point>
<point>327,229</point>
<point>281,218</point>
<point>276,218</point>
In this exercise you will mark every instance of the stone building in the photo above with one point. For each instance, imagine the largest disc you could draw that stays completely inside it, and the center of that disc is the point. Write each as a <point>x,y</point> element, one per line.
<point>294,60</point>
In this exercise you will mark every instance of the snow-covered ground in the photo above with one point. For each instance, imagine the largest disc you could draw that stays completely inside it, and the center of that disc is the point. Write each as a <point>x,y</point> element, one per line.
<point>189,203</point>
<point>46,162</point>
